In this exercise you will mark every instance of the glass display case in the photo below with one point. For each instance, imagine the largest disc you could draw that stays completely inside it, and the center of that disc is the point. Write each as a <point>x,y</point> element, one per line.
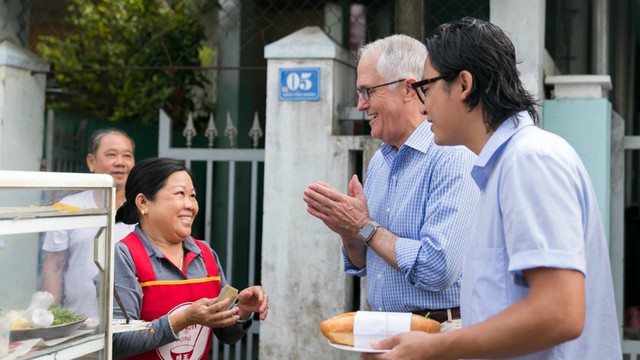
<point>56,265</point>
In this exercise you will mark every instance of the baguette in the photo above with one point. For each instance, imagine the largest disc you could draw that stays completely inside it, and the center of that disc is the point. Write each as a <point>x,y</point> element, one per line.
<point>339,329</point>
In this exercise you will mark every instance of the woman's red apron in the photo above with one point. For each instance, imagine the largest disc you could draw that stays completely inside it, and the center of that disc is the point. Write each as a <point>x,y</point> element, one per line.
<point>161,297</point>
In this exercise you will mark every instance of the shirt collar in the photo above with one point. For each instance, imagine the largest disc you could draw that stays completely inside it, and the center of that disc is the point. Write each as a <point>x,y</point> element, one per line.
<point>420,139</point>
<point>482,169</point>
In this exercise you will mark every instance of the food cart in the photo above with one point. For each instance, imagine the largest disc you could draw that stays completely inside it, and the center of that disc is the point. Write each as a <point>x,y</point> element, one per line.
<point>29,210</point>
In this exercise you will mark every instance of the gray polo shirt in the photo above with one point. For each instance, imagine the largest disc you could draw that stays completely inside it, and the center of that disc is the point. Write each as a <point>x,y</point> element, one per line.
<point>131,343</point>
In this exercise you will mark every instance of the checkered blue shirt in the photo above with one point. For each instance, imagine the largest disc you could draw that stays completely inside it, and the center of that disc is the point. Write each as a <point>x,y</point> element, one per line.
<point>423,193</point>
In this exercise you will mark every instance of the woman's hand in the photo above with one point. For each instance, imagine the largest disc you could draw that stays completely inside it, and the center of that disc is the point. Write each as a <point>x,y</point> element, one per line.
<point>253,299</point>
<point>205,312</point>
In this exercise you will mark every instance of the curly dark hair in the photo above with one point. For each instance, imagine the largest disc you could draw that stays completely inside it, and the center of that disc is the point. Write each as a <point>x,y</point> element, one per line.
<point>485,51</point>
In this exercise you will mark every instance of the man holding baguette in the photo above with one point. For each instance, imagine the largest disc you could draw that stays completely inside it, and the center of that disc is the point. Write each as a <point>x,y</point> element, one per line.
<point>536,277</point>
<point>404,229</point>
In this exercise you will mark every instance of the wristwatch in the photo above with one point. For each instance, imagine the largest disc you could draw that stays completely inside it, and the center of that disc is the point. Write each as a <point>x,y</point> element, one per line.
<point>367,231</point>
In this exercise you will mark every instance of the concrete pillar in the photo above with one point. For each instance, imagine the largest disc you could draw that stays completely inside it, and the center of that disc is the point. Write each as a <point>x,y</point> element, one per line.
<point>229,50</point>
<point>301,258</point>
<point>410,19</point>
<point>14,21</point>
<point>581,114</point>
<point>22,96</point>
<point>21,93</point>
<point>527,34</point>
<point>601,31</point>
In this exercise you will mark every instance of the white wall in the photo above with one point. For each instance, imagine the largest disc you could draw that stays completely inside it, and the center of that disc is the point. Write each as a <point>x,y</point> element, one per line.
<point>21,135</point>
<point>22,96</point>
<point>523,21</point>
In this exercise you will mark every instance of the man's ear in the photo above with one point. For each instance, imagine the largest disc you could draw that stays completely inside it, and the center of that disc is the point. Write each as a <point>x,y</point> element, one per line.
<point>466,82</point>
<point>91,160</point>
<point>408,89</point>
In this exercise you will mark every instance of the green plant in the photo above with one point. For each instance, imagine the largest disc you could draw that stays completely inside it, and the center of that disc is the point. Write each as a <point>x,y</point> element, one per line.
<point>64,316</point>
<point>123,60</point>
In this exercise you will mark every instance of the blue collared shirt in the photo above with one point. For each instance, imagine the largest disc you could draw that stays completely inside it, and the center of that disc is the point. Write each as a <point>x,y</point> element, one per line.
<point>537,209</point>
<point>423,193</point>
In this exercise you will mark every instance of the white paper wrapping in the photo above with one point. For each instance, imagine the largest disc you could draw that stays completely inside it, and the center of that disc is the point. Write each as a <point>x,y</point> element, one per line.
<point>372,326</point>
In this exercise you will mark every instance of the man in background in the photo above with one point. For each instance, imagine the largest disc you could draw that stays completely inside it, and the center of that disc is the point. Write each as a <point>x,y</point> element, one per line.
<point>69,271</point>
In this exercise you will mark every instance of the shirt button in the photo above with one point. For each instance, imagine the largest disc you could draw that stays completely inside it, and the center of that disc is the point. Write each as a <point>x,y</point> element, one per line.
<point>394,177</point>
<point>379,309</point>
<point>388,209</point>
<point>379,276</point>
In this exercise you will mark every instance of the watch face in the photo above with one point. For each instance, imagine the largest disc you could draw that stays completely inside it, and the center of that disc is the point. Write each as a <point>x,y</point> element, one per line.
<point>367,231</point>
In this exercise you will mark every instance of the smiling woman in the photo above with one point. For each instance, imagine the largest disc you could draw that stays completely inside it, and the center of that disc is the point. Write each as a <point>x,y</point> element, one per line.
<point>165,277</point>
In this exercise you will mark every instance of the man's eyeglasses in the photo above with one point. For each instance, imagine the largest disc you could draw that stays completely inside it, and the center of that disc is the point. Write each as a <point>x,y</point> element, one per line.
<point>366,92</point>
<point>420,87</point>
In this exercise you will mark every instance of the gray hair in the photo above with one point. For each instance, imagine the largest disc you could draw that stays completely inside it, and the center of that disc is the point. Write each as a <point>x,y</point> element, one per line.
<point>96,137</point>
<point>401,57</point>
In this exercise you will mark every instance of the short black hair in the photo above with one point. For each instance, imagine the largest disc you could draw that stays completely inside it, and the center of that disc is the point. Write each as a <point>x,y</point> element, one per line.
<point>485,51</point>
<point>147,178</point>
<point>96,137</point>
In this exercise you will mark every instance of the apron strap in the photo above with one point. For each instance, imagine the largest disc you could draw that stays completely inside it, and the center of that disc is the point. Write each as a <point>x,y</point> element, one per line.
<point>141,260</point>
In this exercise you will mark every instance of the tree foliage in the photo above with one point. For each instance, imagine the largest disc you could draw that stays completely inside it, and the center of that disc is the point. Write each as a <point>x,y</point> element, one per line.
<point>123,60</point>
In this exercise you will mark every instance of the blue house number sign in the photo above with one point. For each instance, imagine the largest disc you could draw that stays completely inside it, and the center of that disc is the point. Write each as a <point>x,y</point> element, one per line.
<point>299,84</point>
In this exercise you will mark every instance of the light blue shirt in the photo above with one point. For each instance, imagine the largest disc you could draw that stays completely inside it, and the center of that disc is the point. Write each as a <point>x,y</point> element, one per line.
<point>424,194</point>
<point>537,209</point>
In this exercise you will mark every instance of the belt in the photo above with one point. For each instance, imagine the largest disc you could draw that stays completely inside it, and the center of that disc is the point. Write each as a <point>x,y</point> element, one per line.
<point>441,315</point>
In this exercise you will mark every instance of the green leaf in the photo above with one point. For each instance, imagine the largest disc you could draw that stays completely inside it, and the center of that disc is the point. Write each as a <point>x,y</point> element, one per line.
<point>124,42</point>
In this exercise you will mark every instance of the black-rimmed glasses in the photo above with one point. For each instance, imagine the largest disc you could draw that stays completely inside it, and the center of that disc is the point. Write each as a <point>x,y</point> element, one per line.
<point>419,87</point>
<point>366,92</point>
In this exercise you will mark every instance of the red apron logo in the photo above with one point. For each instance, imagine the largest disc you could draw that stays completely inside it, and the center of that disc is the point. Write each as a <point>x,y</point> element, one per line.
<point>191,344</point>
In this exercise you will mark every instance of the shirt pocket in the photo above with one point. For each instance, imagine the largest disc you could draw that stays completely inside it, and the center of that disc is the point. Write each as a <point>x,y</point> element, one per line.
<point>484,284</point>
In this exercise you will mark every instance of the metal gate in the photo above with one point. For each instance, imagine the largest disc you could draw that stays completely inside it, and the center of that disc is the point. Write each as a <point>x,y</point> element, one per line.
<point>244,251</point>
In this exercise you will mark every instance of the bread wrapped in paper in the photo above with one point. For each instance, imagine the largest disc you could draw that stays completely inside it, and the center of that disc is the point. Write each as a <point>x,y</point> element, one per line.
<point>339,329</point>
